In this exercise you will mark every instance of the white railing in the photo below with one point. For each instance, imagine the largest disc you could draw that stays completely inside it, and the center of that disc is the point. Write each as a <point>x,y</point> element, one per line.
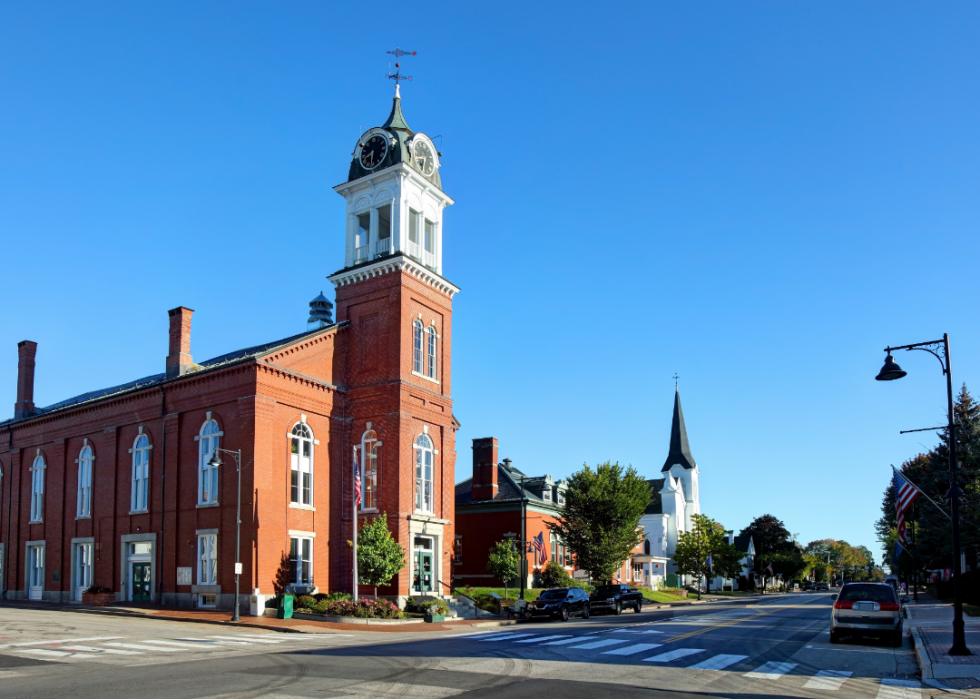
<point>424,256</point>
<point>383,246</point>
<point>361,254</point>
<point>429,259</point>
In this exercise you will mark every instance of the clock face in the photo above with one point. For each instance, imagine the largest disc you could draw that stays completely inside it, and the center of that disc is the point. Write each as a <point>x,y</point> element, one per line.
<point>373,152</point>
<point>423,158</point>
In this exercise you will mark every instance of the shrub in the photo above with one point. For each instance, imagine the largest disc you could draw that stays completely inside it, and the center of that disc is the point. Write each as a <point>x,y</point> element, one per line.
<point>305,602</point>
<point>333,596</point>
<point>99,590</point>
<point>363,608</point>
<point>554,575</point>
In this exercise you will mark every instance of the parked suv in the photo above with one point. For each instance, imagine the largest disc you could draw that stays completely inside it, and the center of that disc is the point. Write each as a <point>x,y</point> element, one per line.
<point>821,586</point>
<point>560,603</point>
<point>867,609</point>
<point>807,585</point>
<point>616,598</point>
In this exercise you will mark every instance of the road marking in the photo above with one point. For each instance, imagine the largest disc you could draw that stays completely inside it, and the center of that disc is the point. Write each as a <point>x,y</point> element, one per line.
<point>598,644</point>
<point>771,670</point>
<point>205,640</point>
<point>196,646</point>
<point>538,639</point>
<point>497,634</point>
<point>376,689</point>
<point>63,640</point>
<point>92,649</point>
<point>244,640</point>
<point>733,621</point>
<point>718,662</point>
<point>899,689</point>
<point>576,639</point>
<point>640,632</point>
<point>136,646</point>
<point>632,650</point>
<point>829,680</point>
<point>505,637</point>
<point>45,652</point>
<point>673,655</point>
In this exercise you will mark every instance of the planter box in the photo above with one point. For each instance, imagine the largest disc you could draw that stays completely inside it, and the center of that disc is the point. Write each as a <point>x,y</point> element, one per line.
<point>351,619</point>
<point>435,618</point>
<point>98,599</point>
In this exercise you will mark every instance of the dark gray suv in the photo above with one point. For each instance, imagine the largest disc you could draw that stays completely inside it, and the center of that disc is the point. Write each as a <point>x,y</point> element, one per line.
<point>867,609</point>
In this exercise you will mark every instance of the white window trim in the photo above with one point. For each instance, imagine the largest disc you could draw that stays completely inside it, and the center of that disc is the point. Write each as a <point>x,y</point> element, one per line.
<point>427,378</point>
<point>202,466</point>
<point>79,495</point>
<point>213,537</point>
<point>312,470</point>
<point>133,504</point>
<point>432,488</point>
<point>432,352</point>
<point>418,349</point>
<point>377,469</point>
<point>37,494</point>
<point>299,539</point>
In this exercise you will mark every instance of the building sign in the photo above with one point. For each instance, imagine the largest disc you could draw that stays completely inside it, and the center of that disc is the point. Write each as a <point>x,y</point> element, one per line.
<point>184,576</point>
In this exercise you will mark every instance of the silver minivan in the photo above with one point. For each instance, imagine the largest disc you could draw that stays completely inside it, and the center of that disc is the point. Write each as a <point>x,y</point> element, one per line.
<point>867,609</point>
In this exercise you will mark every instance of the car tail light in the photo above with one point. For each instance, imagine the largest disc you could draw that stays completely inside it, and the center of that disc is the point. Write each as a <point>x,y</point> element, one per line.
<point>843,604</point>
<point>889,606</point>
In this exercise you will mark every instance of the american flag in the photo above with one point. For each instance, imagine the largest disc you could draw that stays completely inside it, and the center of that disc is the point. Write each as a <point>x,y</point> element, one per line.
<point>357,480</point>
<point>905,495</point>
<point>538,544</point>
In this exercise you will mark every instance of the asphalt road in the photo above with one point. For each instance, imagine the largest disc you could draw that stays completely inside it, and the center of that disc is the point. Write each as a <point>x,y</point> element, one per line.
<point>775,647</point>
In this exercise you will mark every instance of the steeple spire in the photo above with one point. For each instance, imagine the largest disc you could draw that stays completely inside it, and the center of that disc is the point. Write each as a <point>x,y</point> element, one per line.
<point>680,450</point>
<point>396,120</point>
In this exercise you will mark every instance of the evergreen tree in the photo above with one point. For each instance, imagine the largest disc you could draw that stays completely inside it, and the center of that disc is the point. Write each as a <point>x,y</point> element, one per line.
<point>600,520</point>
<point>379,556</point>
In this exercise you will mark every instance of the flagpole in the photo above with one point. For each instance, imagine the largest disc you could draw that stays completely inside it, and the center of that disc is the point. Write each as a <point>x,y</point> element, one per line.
<point>354,501</point>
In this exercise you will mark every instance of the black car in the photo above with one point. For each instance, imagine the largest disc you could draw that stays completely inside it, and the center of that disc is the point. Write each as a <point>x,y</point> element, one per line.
<point>560,603</point>
<point>616,598</point>
<point>807,585</point>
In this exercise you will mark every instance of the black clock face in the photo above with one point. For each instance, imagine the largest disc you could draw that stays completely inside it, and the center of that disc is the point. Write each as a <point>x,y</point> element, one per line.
<point>423,158</point>
<point>373,152</point>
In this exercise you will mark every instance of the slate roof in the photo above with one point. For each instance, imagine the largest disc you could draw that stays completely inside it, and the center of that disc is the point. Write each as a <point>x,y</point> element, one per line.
<point>656,506</point>
<point>680,450</point>
<point>742,542</point>
<point>155,379</point>
<point>508,489</point>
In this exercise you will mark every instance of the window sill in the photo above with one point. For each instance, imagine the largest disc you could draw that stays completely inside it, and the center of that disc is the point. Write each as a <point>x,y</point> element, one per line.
<point>297,506</point>
<point>36,521</point>
<point>83,517</point>
<point>369,510</point>
<point>207,504</point>
<point>427,378</point>
<point>138,512</point>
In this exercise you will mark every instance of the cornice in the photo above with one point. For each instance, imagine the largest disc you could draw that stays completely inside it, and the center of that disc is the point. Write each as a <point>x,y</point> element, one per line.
<point>398,263</point>
<point>399,171</point>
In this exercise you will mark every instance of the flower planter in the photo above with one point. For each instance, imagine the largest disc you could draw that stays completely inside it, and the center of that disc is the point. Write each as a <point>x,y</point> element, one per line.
<point>98,599</point>
<point>434,618</point>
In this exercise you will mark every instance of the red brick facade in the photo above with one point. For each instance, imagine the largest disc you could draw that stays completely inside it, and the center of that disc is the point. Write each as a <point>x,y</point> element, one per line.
<point>337,380</point>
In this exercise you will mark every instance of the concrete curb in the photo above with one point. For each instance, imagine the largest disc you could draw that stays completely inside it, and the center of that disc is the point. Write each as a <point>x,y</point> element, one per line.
<point>921,655</point>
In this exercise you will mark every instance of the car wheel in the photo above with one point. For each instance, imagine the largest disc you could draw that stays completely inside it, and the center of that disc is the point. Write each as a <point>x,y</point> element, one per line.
<point>564,613</point>
<point>834,636</point>
<point>586,611</point>
<point>618,609</point>
<point>639,606</point>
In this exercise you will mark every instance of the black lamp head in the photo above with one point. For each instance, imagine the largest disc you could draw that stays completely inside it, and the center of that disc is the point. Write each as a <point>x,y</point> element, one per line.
<point>215,460</point>
<point>891,370</point>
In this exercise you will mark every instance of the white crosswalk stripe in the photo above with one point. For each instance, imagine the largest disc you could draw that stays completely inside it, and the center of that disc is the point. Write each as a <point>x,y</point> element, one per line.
<point>92,649</point>
<point>44,652</point>
<point>771,670</point>
<point>137,646</point>
<point>899,689</point>
<point>598,644</point>
<point>245,640</point>
<point>829,680</point>
<point>575,639</point>
<point>672,655</point>
<point>190,644</point>
<point>539,639</point>
<point>718,662</point>
<point>632,650</point>
<point>504,637</point>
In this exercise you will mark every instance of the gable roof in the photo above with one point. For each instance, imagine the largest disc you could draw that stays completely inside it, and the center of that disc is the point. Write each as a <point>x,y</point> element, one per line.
<point>508,489</point>
<point>680,450</point>
<point>223,360</point>
<point>742,542</point>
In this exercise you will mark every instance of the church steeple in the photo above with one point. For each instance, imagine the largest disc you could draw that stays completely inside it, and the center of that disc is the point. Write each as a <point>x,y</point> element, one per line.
<point>680,450</point>
<point>396,120</point>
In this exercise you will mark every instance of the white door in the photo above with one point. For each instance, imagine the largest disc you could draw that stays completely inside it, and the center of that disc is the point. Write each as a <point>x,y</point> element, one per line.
<point>35,555</point>
<point>83,569</point>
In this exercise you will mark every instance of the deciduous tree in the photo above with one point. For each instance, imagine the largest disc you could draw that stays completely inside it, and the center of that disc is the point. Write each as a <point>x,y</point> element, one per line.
<point>504,562</point>
<point>379,556</point>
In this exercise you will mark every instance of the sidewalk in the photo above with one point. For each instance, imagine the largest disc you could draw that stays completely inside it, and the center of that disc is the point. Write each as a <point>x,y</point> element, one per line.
<point>207,616</point>
<point>931,626</point>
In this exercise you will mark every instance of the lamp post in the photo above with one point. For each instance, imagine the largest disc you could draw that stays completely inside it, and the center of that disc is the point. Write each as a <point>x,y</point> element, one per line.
<point>890,372</point>
<point>216,461</point>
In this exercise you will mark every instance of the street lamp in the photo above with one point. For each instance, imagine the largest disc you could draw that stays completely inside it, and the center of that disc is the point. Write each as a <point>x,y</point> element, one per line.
<point>890,372</point>
<point>216,461</point>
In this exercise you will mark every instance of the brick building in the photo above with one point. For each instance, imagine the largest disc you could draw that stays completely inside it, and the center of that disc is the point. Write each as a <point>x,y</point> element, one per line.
<point>118,487</point>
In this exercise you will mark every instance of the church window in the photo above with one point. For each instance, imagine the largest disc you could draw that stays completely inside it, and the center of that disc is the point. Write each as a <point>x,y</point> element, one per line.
<point>141,473</point>
<point>646,547</point>
<point>37,489</point>
<point>423,474</point>
<point>301,465</point>
<point>83,507</point>
<point>431,365</point>
<point>207,488</point>
<point>371,457</point>
<point>417,346</point>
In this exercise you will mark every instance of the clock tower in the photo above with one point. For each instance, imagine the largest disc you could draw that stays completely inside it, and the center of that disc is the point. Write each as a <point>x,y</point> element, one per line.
<point>398,420</point>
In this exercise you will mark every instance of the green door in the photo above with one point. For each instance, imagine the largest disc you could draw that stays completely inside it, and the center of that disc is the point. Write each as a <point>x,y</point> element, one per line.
<point>423,571</point>
<point>141,582</point>
<point>671,580</point>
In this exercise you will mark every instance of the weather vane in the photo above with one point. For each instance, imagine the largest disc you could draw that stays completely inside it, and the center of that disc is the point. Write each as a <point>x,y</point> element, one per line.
<point>397,76</point>
<point>675,379</point>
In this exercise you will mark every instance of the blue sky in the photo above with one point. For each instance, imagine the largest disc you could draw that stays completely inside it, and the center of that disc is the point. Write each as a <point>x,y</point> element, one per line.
<point>758,196</point>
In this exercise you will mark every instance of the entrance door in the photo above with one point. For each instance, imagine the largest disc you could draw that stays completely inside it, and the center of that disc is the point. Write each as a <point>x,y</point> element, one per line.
<point>141,582</point>
<point>35,562</point>
<point>423,571</point>
<point>83,569</point>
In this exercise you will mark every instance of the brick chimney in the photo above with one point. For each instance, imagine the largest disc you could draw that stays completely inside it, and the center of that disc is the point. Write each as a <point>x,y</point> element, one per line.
<point>179,360</point>
<point>484,485</point>
<point>26,351</point>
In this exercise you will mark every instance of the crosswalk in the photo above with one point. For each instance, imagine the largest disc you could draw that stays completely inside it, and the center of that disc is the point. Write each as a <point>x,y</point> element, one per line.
<point>109,648</point>
<point>638,644</point>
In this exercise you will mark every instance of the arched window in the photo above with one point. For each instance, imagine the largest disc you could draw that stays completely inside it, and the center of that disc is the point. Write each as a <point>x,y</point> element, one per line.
<point>370,462</point>
<point>646,547</point>
<point>423,473</point>
<point>141,473</point>
<point>207,489</point>
<point>554,548</point>
<point>301,465</point>
<point>84,506</point>
<point>37,489</point>
<point>417,346</point>
<point>430,368</point>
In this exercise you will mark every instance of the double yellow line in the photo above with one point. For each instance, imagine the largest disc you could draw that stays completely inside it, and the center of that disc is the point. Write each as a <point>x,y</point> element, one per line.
<point>733,621</point>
